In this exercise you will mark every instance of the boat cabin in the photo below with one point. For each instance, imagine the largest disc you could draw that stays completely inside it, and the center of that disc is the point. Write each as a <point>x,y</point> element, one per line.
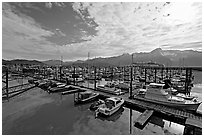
<point>112,102</point>
<point>85,95</point>
<point>155,91</point>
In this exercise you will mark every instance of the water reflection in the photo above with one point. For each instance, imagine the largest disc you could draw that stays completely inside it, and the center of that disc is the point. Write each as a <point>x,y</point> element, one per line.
<point>113,117</point>
<point>60,116</point>
<point>157,121</point>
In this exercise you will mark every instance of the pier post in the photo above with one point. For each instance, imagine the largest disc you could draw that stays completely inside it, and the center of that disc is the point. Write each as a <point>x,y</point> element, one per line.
<point>130,121</point>
<point>145,76</point>
<point>7,94</point>
<point>186,81</point>
<point>111,74</point>
<point>94,78</point>
<point>131,82</point>
<point>155,75</point>
<point>60,73</point>
<point>44,72</point>
<point>124,73</point>
<point>88,76</point>
<point>74,75</point>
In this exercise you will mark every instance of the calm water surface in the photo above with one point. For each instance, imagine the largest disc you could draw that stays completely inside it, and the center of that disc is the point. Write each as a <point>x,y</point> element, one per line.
<point>37,112</point>
<point>61,116</point>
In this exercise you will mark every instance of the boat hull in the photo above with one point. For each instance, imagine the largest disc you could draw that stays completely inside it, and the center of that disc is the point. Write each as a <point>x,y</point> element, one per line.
<point>190,107</point>
<point>87,99</point>
<point>61,89</point>
<point>108,90</point>
<point>102,111</point>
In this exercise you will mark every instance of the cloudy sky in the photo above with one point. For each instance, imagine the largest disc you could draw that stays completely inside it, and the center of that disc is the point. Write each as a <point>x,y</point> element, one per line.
<point>50,30</point>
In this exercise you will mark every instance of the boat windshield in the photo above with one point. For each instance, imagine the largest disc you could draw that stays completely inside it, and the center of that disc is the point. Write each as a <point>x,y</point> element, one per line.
<point>84,96</point>
<point>110,104</point>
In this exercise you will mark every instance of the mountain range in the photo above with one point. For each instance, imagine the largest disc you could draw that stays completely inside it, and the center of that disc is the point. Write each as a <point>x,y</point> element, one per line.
<point>166,57</point>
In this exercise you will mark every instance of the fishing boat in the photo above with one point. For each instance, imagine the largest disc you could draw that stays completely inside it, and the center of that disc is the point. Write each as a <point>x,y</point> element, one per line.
<point>86,96</point>
<point>110,106</point>
<point>156,94</point>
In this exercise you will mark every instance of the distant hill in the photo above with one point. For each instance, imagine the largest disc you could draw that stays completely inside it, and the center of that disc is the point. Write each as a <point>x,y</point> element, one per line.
<point>52,62</point>
<point>166,57</point>
<point>22,61</point>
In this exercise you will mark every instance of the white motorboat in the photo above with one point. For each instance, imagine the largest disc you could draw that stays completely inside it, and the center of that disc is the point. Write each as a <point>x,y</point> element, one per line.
<point>156,94</point>
<point>110,106</point>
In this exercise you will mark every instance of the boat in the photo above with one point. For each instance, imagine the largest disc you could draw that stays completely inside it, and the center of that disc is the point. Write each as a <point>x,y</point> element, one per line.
<point>42,83</point>
<point>114,117</point>
<point>60,88</point>
<point>171,90</point>
<point>185,96</point>
<point>141,91</point>
<point>111,90</point>
<point>156,94</point>
<point>111,105</point>
<point>96,104</point>
<point>86,97</point>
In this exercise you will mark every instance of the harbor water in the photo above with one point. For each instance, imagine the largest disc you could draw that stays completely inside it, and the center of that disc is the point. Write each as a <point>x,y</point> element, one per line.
<point>37,112</point>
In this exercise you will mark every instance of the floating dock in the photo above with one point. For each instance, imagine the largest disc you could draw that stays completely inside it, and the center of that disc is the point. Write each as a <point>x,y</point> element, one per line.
<point>71,91</point>
<point>143,118</point>
<point>15,90</point>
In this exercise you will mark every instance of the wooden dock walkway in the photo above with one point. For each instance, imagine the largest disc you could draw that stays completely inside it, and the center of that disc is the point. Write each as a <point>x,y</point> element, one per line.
<point>16,90</point>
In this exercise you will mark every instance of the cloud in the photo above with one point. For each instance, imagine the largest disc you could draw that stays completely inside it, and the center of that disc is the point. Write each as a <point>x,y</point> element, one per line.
<point>51,4</point>
<point>48,5</point>
<point>23,35</point>
<point>103,29</point>
<point>126,26</point>
<point>59,33</point>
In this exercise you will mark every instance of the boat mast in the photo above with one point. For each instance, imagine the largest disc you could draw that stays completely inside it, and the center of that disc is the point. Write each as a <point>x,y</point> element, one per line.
<point>88,68</point>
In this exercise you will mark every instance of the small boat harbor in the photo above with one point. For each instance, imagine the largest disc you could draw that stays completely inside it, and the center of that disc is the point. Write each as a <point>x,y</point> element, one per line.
<point>152,89</point>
